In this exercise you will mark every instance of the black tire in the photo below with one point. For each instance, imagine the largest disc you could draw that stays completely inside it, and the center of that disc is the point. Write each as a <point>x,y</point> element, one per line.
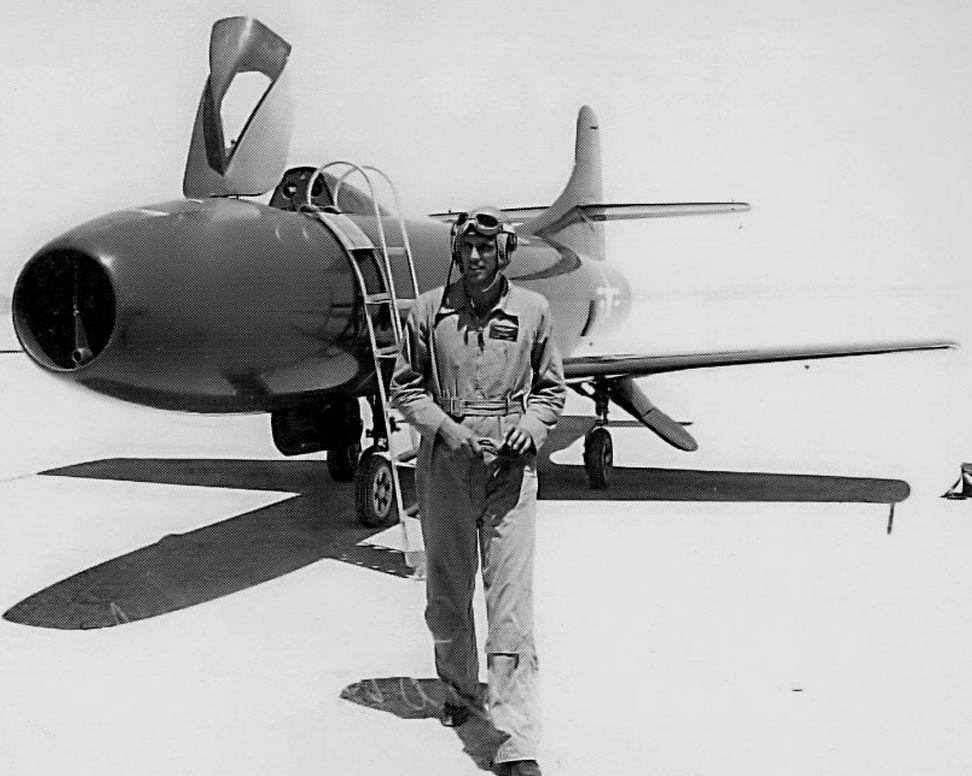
<point>598,457</point>
<point>374,490</point>
<point>343,461</point>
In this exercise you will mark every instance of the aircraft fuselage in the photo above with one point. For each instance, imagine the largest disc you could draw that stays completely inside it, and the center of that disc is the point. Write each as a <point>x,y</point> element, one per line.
<point>228,305</point>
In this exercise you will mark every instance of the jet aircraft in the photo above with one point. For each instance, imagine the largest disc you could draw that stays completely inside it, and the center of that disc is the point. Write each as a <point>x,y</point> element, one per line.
<point>218,303</point>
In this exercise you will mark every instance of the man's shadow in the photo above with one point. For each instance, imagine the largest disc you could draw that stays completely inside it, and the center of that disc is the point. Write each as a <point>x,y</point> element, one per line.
<point>409,698</point>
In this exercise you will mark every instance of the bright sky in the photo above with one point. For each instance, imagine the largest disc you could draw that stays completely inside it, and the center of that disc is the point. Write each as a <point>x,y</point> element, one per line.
<point>847,125</point>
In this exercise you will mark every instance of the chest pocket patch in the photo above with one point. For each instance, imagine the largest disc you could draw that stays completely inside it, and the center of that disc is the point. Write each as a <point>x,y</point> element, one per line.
<point>504,330</point>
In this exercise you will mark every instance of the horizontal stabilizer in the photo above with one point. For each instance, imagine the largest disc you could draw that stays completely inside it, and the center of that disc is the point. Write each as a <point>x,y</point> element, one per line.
<point>632,365</point>
<point>515,215</point>
<point>658,210</point>
<point>619,212</point>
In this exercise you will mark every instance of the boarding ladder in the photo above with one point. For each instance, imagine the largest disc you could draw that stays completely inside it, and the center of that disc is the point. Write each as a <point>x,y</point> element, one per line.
<point>382,304</point>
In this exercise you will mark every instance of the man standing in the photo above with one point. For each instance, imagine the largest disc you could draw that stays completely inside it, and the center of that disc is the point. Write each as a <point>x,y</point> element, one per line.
<point>482,381</point>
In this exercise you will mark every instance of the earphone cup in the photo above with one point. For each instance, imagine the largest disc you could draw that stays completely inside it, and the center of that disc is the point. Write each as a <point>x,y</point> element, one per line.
<point>509,245</point>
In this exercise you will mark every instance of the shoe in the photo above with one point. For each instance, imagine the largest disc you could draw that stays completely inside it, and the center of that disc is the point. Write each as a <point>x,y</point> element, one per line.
<point>517,768</point>
<point>454,714</point>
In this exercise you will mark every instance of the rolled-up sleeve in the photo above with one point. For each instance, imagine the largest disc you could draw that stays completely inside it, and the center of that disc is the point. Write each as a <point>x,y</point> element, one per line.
<point>409,391</point>
<point>548,392</point>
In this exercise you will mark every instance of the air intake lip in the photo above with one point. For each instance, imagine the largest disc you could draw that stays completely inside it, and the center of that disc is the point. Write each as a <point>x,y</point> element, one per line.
<point>64,309</point>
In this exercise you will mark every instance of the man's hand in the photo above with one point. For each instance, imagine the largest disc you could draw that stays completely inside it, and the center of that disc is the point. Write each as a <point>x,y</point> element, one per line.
<point>460,439</point>
<point>518,440</point>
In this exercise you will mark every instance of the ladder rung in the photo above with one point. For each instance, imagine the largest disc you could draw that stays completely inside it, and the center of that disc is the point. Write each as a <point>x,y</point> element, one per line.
<point>406,464</point>
<point>378,298</point>
<point>387,351</point>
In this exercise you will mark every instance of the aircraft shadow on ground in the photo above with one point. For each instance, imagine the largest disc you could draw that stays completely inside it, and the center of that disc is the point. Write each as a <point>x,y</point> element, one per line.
<point>569,483</point>
<point>410,698</point>
<point>182,570</point>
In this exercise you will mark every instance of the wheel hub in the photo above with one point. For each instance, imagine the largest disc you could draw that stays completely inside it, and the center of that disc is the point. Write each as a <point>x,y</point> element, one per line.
<point>381,491</point>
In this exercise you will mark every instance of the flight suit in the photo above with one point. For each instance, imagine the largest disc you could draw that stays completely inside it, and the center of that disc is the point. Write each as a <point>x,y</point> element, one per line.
<point>490,374</point>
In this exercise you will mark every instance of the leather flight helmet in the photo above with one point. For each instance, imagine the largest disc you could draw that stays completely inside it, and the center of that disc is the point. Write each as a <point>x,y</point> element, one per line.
<point>490,222</point>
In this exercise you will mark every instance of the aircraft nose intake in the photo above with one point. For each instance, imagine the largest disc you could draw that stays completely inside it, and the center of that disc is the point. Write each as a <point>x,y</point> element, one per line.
<point>64,309</point>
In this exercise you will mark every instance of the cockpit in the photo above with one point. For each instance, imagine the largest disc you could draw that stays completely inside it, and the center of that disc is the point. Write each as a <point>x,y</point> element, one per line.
<point>291,193</point>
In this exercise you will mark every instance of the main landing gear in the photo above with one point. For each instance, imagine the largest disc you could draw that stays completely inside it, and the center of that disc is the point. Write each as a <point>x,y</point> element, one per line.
<point>598,447</point>
<point>598,457</point>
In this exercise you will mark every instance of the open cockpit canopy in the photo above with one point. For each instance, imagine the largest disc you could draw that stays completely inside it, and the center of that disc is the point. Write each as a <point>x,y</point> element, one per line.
<point>291,193</point>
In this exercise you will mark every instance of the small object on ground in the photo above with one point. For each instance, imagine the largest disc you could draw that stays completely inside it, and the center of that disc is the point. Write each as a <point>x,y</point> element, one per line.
<point>962,489</point>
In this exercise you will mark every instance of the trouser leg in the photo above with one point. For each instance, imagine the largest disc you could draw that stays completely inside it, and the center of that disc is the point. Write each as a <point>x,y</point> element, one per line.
<point>449,533</point>
<point>507,544</point>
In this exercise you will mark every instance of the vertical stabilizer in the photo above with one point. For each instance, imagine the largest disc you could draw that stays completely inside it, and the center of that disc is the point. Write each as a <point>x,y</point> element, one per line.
<point>562,221</point>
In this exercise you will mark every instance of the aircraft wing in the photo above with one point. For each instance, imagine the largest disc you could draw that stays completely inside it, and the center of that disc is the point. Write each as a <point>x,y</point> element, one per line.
<point>578,368</point>
<point>617,374</point>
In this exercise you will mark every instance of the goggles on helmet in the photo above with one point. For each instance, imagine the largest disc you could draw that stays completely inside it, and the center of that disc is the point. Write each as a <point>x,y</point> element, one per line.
<point>480,221</point>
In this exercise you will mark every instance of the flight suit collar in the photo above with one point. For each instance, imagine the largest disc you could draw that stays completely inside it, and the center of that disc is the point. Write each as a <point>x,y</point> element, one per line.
<point>457,300</point>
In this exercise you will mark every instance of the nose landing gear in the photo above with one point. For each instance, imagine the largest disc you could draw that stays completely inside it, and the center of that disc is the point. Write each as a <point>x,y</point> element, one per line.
<point>374,489</point>
<point>376,502</point>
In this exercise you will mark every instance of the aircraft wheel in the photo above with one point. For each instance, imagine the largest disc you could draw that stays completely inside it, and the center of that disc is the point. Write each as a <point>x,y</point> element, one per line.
<point>598,457</point>
<point>374,489</point>
<point>342,462</point>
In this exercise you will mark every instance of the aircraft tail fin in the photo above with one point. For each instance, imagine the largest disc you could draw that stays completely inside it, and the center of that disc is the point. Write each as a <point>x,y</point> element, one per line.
<point>576,219</point>
<point>557,222</point>
<point>250,164</point>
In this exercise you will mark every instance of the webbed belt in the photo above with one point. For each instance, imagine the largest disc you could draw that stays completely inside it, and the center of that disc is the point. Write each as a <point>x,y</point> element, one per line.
<point>459,407</point>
